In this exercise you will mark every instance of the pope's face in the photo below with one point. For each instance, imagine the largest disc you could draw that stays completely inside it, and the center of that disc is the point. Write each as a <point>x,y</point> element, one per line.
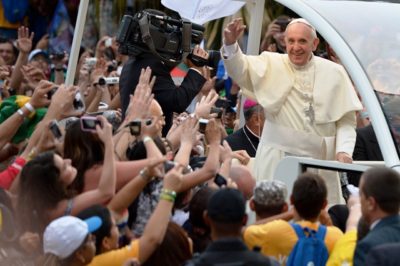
<point>300,43</point>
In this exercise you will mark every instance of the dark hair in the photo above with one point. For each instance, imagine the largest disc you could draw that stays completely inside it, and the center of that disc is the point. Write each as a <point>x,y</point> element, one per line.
<point>85,150</point>
<point>248,113</point>
<point>40,190</point>
<point>362,229</point>
<point>15,50</point>
<point>105,229</point>
<point>138,151</point>
<point>198,205</point>
<point>268,210</point>
<point>173,250</point>
<point>309,195</point>
<point>199,231</point>
<point>383,184</point>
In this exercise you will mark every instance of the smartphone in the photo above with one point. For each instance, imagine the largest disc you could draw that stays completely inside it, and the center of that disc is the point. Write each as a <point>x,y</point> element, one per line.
<point>78,102</point>
<point>168,165</point>
<point>216,110</point>
<point>202,125</point>
<point>89,123</point>
<point>51,92</point>
<point>220,180</point>
<point>135,127</point>
<point>55,129</point>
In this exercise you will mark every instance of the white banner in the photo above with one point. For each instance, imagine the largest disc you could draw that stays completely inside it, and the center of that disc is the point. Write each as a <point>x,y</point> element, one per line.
<point>202,11</point>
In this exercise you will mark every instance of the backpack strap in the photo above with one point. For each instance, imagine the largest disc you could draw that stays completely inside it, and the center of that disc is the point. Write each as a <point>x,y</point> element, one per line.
<point>298,229</point>
<point>321,232</point>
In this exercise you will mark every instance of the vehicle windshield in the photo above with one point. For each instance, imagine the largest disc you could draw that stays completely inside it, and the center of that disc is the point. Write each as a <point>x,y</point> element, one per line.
<point>372,30</point>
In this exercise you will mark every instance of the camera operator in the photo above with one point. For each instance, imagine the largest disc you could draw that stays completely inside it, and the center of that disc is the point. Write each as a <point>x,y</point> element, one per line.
<point>171,98</point>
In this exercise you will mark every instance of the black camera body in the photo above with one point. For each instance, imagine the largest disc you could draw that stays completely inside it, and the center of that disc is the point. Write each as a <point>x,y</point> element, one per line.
<point>153,31</point>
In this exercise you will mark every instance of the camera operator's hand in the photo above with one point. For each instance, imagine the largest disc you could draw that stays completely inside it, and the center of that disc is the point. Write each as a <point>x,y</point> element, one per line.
<point>199,52</point>
<point>210,82</point>
<point>233,31</point>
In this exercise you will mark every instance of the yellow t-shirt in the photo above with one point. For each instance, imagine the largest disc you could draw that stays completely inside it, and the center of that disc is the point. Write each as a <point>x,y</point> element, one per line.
<point>343,252</point>
<point>277,238</point>
<point>118,256</point>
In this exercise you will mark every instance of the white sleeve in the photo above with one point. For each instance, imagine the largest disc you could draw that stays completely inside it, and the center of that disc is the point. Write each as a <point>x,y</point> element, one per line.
<point>346,133</point>
<point>229,50</point>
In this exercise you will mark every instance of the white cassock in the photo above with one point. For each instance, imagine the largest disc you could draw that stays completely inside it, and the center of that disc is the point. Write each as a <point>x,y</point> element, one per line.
<point>309,110</point>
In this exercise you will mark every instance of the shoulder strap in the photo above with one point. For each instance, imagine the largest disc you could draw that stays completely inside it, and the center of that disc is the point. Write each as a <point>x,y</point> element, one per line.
<point>321,232</point>
<point>298,229</point>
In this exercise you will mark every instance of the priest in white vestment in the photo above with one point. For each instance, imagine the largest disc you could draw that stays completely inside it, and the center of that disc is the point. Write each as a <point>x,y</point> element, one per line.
<point>309,102</point>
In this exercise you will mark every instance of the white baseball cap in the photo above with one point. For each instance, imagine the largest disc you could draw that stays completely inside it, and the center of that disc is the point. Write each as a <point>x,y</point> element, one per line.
<point>66,234</point>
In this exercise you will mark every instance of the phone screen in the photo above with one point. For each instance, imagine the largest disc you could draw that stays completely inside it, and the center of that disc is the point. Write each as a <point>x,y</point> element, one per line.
<point>89,123</point>
<point>55,129</point>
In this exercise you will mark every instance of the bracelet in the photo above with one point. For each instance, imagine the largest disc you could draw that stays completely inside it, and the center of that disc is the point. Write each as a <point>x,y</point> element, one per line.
<point>144,175</point>
<point>21,113</point>
<point>146,139</point>
<point>29,107</point>
<point>169,193</point>
<point>167,197</point>
<point>59,69</point>
<point>32,154</point>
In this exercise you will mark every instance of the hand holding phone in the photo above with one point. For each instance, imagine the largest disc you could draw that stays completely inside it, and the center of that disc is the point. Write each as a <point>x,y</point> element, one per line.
<point>89,123</point>
<point>55,129</point>
<point>220,180</point>
<point>202,125</point>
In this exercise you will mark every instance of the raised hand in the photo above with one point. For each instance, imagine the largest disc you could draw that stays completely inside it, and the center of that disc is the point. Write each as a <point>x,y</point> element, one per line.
<point>189,130</point>
<point>233,31</point>
<point>105,130</point>
<point>140,102</point>
<point>203,107</point>
<point>39,97</point>
<point>61,103</point>
<point>24,42</point>
<point>173,179</point>
<point>32,75</point>
<point>213,132</point>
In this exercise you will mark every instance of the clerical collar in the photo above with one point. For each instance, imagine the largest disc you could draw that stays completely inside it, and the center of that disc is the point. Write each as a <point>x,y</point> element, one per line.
<point>306,66</point>
<point>251,132</point>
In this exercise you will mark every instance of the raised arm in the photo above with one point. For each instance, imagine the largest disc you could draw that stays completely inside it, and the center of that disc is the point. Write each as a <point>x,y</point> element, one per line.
<point>156,227</point>
<point>106,188</point>
<point>9,127</point>
<point>24,45</point>
<point>211,166</point>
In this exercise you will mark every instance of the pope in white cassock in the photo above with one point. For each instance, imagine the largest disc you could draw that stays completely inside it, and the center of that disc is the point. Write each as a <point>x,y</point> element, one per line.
<point>309,102</point>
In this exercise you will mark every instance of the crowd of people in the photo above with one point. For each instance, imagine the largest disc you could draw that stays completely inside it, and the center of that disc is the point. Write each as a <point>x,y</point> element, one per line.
<point>131,167</point>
